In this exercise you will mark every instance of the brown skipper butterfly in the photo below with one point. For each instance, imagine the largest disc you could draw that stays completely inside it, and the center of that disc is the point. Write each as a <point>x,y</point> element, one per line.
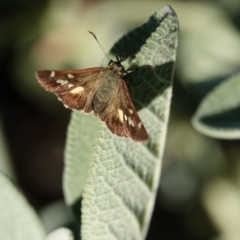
<point>101,90</point>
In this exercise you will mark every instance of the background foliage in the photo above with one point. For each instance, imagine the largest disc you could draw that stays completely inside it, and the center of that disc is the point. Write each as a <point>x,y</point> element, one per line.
<point>198,197</point>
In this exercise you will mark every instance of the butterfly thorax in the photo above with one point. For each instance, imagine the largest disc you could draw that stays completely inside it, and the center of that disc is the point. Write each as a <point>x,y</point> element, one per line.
<point>111,80</point>
<point>116,67</point>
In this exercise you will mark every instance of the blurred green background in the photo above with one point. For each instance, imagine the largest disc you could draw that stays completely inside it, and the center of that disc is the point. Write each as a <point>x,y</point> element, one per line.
<point>199,193</point>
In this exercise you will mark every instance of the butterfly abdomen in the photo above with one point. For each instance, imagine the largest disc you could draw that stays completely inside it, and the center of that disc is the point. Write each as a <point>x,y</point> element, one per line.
<point>107,89</point>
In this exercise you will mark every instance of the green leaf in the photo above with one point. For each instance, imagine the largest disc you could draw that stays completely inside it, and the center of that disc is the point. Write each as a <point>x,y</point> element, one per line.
<point>60,234</point>
<point>218,115</point>
<point>203,57</point>
<point>123,175</point>
<point>18,219</point>
<point>82,131</point>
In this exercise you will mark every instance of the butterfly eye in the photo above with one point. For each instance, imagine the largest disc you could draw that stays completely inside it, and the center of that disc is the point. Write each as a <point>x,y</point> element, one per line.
<point>111,63</point>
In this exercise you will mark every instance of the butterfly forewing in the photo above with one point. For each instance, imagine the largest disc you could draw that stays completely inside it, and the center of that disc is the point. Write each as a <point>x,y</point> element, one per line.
<point>75,88</point>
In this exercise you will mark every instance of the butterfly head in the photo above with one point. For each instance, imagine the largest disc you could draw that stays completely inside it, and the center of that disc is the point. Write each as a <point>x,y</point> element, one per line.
<point>116,66</point>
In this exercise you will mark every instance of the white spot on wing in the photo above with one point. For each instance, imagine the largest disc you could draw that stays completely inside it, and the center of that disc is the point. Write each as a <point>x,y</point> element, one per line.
<point>77,90</point>
<point>120,114</point>
<point>70,76</point>
<point>70,85</point>
<point>130,122</point>
<point>139,125</point>
<point>62,82</point>
<point>52,74</point>
<point>130,110</point>
<point>125,117</point>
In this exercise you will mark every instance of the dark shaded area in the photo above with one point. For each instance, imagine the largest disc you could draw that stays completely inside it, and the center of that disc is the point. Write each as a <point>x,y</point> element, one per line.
<point>227,120</point>
<point>76,225</point>
<point>169,225</point>
<point>35,138</point>
<point>146,83</point>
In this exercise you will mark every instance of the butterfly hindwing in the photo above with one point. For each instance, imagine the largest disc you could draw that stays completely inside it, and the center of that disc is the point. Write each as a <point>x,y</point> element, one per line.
<point>135,126</point>
<point>121,116</point>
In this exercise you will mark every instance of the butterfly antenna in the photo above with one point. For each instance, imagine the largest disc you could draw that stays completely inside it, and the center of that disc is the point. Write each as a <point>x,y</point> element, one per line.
<point>99,43</point>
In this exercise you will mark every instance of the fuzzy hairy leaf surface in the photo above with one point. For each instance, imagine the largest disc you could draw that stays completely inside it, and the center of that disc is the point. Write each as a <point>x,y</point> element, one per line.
<point>18,219</point>
<point>123,175</point>
<point>82,132</point>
